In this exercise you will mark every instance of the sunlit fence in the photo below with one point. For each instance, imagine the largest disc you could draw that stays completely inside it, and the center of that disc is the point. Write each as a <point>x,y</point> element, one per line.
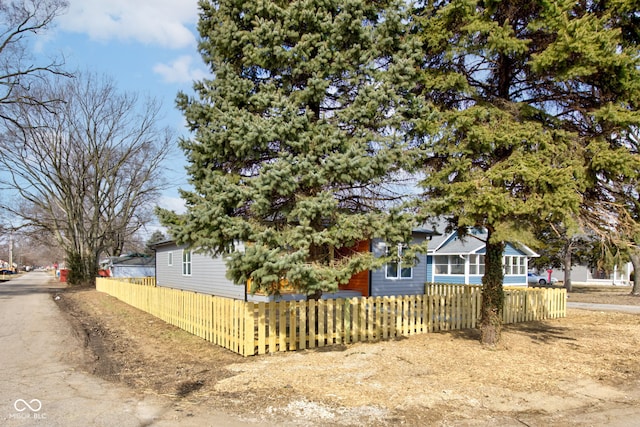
<point>250,328</point>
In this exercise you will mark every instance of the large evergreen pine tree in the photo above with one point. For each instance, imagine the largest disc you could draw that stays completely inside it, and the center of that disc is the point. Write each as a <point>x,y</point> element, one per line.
<point>523,104</point>
<point>293,139</point>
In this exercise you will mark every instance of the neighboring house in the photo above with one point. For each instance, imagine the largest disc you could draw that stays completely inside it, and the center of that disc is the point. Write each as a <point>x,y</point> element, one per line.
<point>455,260</point>
<point>582,274</point>
<point>132,265</point>
<point>449,259</point>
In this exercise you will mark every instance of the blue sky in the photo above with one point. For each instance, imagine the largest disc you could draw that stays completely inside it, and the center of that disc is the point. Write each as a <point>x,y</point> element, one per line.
<point>146,46</point>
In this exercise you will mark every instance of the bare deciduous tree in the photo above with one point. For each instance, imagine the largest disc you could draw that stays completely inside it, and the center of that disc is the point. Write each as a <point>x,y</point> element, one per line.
<point>87,168</point>
<point>19,20</point>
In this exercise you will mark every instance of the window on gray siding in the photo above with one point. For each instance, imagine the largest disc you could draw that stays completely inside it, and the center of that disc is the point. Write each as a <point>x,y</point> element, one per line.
<point>186,263</point>
<point>170,259</point>
<point>395,270</point>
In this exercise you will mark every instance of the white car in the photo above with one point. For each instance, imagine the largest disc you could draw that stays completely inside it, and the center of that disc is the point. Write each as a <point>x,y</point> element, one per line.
<point>535,279</point>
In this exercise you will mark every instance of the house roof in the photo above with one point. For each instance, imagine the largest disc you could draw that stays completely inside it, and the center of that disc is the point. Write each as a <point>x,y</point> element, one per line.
<point>162,243</point>
<point>474,242</point>
<point>454,245</point>
<point>133,260</point>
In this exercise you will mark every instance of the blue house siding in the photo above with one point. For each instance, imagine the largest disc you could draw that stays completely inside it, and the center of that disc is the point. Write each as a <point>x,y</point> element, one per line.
<point>132,271</point>
<point>475,280</point>
<point>515,280</point>
<point>511,250</point>
<point>452,279</point>
<point>382,286</point>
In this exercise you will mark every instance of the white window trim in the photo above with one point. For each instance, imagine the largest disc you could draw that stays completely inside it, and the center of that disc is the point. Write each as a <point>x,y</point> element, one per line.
<point>398,275</point>
<point>449,264</point>
<point>170,259</point>
<point>477,264</point>
<point>187,263</point>
<point>521,266</point>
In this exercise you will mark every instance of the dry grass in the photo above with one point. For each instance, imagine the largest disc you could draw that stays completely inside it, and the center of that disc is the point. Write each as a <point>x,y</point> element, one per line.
<point>620,295</point>
<point>571,371</point>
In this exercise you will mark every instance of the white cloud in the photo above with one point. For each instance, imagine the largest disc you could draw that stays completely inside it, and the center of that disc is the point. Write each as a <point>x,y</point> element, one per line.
<point>160,22</point>
<point>175,204</point>
<point>181,70</point>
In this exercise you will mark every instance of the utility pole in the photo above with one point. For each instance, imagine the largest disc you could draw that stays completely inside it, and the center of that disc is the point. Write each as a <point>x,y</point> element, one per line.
<point>11,249</point>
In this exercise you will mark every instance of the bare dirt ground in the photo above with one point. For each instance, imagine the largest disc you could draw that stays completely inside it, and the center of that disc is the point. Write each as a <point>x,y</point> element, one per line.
<point>577,371</point>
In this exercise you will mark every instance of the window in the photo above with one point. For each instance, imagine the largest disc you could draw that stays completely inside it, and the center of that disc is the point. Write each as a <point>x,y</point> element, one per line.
<point>506,265</point>
<point>170,259</point>
<point>450,264</point>
<point>186,263</point>
<point>476,264</point>
<point>395,270</point>
<point>514,265</point>
<point>456,264</point>
<point>441,264</point>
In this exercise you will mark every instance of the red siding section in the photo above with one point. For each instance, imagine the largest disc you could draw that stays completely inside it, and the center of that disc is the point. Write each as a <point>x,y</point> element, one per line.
<point>360,281</point>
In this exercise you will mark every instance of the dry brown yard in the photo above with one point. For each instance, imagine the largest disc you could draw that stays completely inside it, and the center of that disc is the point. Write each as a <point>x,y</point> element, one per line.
<point>576,371</point>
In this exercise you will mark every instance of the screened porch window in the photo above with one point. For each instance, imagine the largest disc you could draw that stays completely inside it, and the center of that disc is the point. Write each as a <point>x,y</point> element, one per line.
<point>449,264</point>
<point>476,264</point>
<point>514,265</point>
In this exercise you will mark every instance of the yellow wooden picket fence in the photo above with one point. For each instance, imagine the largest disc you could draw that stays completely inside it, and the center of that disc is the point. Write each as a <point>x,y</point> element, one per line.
<point>250,328</point>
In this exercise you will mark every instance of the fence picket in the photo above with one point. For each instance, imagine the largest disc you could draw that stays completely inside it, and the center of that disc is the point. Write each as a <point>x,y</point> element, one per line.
<point>331,332</point>
<point>313,330</point>
<point>272,328</point>
<point>321,322</point>
<point>293,315</point>
<point>262,328</point>
<point>282,332</point>
<point>302,326</point>
<point>257,328</point>
<point>340,338</point>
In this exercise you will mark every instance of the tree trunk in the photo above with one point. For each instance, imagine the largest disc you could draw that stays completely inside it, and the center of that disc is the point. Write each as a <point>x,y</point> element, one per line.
<point>635,261</point>
<point>315,295</point>
<point>82,269</point>
<point>567,266</point>
<point>492,294</point>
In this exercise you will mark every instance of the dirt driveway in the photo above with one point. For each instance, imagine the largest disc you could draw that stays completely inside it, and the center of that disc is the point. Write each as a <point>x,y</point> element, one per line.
<point>577,371</point>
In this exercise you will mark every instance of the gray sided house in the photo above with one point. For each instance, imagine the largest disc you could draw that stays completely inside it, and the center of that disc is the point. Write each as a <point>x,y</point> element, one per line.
<point>449,259</point>
<point>180,268</point>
